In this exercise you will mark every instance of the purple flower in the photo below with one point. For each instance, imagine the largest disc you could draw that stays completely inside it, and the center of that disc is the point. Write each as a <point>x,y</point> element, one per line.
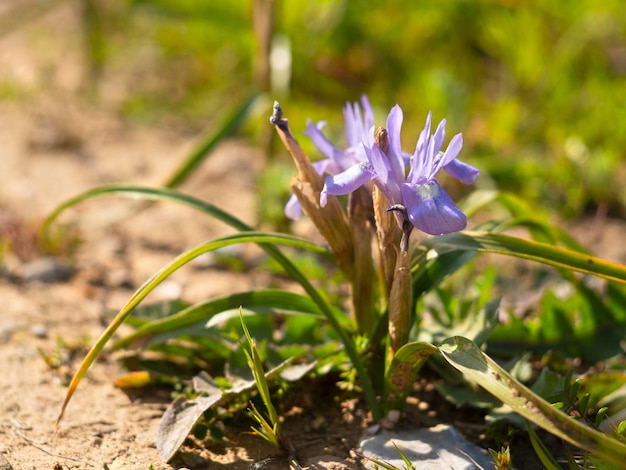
<point>419,195</point>
<point>358,124</point>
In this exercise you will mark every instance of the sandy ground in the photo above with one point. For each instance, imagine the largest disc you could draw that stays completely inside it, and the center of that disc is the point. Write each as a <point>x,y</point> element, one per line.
<point>103,427</point>
<point>52,148</point>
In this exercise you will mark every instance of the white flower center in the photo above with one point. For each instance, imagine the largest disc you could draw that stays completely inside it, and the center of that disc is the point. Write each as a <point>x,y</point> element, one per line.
<point>426,191</point>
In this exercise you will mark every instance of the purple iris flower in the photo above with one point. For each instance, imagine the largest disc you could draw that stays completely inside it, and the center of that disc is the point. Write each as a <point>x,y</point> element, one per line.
<point>358,123</point>
<point>418,195</point>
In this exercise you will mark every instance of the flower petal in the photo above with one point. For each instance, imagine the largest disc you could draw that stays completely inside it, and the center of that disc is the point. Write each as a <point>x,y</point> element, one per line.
<point>379,162</point>
<point>431,209</point>
<point>385,177</point>
<point>353,119</point>
<point>346,181</point>
<point>367,112</point>
<point>327,166</point>
<point>462,171</point>
<point>424,135</point>
<point>454,147</point>
<point>418,160</point>
<point>394,126</point>
<point>293,209</point>
<point>440,135</point>
<point>325,147</point>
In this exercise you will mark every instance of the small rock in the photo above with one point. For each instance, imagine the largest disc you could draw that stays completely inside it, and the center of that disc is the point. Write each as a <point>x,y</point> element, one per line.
<point>39,330</point>
<point>47,270</point>
<point>433,448</point>
<point>7,328</point>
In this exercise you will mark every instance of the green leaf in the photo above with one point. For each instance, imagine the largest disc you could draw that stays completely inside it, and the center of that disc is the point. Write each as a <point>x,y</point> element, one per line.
<point>335,320</point>
<point>256,365</point>
<point>182,414</point>
<point>164,273</point>
<point>548,385</point>
<point>268,301</point>
<point>547,459</point>
<point>465,356</point>
<point>555,324</point>
<point>476,325</point>
<point>524,215</point>
<point>486,242</point>
<point>429,273</point>
<point>208,141</point>
<point>403,369</point>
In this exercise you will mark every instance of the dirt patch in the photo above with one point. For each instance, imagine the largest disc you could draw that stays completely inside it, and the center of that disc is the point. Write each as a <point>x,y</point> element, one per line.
<point>53,148</point>
<point>103,426</point>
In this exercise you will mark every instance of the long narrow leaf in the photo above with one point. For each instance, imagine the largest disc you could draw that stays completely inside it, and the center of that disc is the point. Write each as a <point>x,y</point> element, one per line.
<point>208,142</point>
<point>547,459</point>
<point>465,356</point>
<point>524,215</point>
<point>203,312</point>
<point>291,270</point>
<point>160,276</point>
<point>256,365</point>
<point>527,249</point>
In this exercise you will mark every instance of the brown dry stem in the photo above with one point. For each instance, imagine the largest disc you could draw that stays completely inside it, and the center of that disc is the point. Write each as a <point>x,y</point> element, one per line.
<point>331,220</point>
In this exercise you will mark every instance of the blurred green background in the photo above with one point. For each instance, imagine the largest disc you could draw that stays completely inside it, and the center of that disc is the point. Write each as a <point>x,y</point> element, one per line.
<point>537,87</point>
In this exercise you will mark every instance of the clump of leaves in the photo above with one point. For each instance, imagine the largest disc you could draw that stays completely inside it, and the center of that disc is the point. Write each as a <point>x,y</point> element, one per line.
<point>317,335</point>
<point>501,458</point>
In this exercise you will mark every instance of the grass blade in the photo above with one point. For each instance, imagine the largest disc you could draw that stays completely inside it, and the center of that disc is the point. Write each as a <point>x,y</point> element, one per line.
<point>160,276</point>
<point>544,253</point>
<point>203,312</point>
<point>291,270</point>
<point>208,142</point>
<point>547,459</point>
<point>256,365</point>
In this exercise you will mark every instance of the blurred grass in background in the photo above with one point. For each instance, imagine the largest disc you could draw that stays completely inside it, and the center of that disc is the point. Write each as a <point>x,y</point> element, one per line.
<point>537,87</point>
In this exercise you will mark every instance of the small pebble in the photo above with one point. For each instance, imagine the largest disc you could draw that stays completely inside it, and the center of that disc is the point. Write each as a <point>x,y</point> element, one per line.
<point>433,448</point>
<point>39,330</point>
<point>7,328</point>
<point>48,270</point>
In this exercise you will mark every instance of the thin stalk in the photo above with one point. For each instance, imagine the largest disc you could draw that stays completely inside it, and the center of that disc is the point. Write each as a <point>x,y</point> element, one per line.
<point>359,214</point>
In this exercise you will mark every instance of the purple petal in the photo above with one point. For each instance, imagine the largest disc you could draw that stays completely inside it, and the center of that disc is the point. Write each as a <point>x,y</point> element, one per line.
<point>454,147</point>
<point>425,134</point>
<point>354,123</point>
<point>394,125</point>
<point>368,113</point>
<point>428,170</point>
<point>380,163</point>
<point>293,209</point>
<point>385,177</point>
<point>324,146</point>
<point>419,158</point>
<point>347,181</point>
<point>440,136</point>
<point>431,210</point>
<point>462,171</point>
<point>327,166</point>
